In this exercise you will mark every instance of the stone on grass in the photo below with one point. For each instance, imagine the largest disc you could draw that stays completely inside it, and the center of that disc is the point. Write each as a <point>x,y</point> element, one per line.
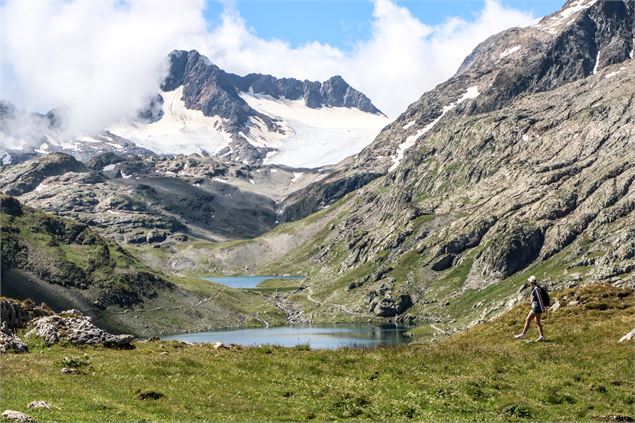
<point>16,416</point>
<point>10,342</point>
<point>71,370</point>
<point>629,336</point>
<point>76,329</point>
<point>39,404</point>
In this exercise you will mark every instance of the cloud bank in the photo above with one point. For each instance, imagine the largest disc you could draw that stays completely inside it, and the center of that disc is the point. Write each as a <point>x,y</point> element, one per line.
<point>401,60</point>
<point>102,60</point>
<point>94,60</point>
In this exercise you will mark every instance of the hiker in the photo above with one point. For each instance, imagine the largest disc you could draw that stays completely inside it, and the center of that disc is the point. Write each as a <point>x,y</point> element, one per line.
<point>538,306</point>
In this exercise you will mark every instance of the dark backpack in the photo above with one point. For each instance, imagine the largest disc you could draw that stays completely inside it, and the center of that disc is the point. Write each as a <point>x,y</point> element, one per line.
<point>544,296</point>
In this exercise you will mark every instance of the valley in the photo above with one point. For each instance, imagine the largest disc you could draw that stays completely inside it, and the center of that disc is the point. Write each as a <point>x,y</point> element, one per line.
<point>275,249</point>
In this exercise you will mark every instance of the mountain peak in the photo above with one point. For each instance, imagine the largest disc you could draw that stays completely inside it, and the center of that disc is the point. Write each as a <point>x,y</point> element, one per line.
<point>191,68</point>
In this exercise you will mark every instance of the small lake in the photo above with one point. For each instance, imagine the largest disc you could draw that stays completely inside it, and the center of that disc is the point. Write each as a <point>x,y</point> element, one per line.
<point>246,281</point>
<point>317,337</point>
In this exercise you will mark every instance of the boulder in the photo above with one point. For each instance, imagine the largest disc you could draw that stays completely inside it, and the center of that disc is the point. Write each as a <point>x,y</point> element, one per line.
<point>39,404</point>
<point>10,342</point>
<point>16,416</point>
<point>155,236</point>
<point>389,306</point>
<point>75,329</point>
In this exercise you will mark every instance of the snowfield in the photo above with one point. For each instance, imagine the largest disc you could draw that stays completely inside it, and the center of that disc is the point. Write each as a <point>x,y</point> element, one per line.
<point>180,130</point>
<point>309,137</point>
<point>314,137</point>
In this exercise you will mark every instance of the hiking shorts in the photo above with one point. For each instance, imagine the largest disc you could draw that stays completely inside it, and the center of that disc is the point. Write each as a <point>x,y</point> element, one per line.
<point>536,309</point>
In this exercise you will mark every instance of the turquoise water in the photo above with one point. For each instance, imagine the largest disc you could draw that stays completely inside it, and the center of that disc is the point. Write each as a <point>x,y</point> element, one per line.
<point>246,281</point>
<point>317,337</point>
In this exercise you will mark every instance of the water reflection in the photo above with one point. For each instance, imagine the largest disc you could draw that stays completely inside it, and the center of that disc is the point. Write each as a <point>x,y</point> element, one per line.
<point>317,337</point>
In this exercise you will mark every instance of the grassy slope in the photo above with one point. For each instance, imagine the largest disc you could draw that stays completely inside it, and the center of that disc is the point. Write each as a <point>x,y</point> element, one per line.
<point>211,305</point>
<point>479,375</point>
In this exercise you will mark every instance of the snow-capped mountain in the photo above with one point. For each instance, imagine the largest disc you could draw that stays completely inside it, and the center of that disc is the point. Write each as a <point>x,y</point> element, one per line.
<point>253,118</point>
<point>250,119</point>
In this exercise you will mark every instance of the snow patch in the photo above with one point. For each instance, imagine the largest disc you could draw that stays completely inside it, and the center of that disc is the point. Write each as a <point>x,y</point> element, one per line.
<point>108,167</point>
<point>552,24</point>
<point>597,62</point>
<point>525,137</point>
<point>409,124</point>
<point>296,176</point>
<point>509,51</point>
<point>470,93</point>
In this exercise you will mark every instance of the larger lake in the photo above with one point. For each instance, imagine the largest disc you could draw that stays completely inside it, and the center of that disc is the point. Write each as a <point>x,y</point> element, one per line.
<point>317,337</point>
<point>246,281</point>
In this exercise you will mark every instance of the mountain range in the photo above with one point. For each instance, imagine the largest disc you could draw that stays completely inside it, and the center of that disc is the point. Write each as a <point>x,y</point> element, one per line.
<point>251,119</point>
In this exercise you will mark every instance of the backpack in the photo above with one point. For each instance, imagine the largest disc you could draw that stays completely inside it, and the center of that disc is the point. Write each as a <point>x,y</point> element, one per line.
<point>544,296</point>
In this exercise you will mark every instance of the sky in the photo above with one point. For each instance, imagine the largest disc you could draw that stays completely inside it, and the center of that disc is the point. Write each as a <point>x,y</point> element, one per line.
<point>341,23</point>
<point>101,60</point>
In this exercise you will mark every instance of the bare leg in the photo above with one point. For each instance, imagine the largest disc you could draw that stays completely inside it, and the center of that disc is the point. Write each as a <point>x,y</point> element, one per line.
<point>528,320</point>
<point>539,324</point>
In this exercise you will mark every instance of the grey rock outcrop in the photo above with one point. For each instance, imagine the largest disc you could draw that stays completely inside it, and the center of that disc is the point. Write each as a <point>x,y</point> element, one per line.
<point>39,405</point>
<point>17,416</point>
<point>76,329</point>
<point>10,342</point>
<point>16,314</point>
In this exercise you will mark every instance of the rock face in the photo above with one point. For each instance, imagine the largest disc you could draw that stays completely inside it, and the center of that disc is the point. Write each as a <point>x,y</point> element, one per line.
<point>15,314</point>
<point>77,329</point>
<point>584,37</point>
<point>130,196</point>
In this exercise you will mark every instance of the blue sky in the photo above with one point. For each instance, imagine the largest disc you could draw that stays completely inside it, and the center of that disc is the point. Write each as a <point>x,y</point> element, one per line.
<point>341,23</point>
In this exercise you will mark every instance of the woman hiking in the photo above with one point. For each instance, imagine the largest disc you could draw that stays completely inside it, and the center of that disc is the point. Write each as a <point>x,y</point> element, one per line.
<point>537,308</point>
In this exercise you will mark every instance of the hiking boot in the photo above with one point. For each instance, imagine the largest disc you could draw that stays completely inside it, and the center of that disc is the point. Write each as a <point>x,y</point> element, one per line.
<point>520,336</point>
<point>540,338</point>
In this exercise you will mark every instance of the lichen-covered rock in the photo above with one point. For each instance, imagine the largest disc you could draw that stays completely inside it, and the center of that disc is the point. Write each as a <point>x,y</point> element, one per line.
<point>10,342</point>
<point>16,416</point>
<point>75,329</point>
<point>39,404</point>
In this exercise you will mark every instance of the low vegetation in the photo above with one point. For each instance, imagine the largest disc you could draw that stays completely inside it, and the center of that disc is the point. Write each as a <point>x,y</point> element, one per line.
<point>580,374</point>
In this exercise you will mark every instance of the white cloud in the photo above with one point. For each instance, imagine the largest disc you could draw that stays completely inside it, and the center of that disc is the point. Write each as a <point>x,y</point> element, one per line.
<point>401,60</point>
<point>101,60</point>
<point>97,60</point>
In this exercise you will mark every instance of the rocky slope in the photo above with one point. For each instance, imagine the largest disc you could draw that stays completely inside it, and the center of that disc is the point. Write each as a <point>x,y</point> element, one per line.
<point>579,40</point>
<point>529,172</point>
<point>147,199</point>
